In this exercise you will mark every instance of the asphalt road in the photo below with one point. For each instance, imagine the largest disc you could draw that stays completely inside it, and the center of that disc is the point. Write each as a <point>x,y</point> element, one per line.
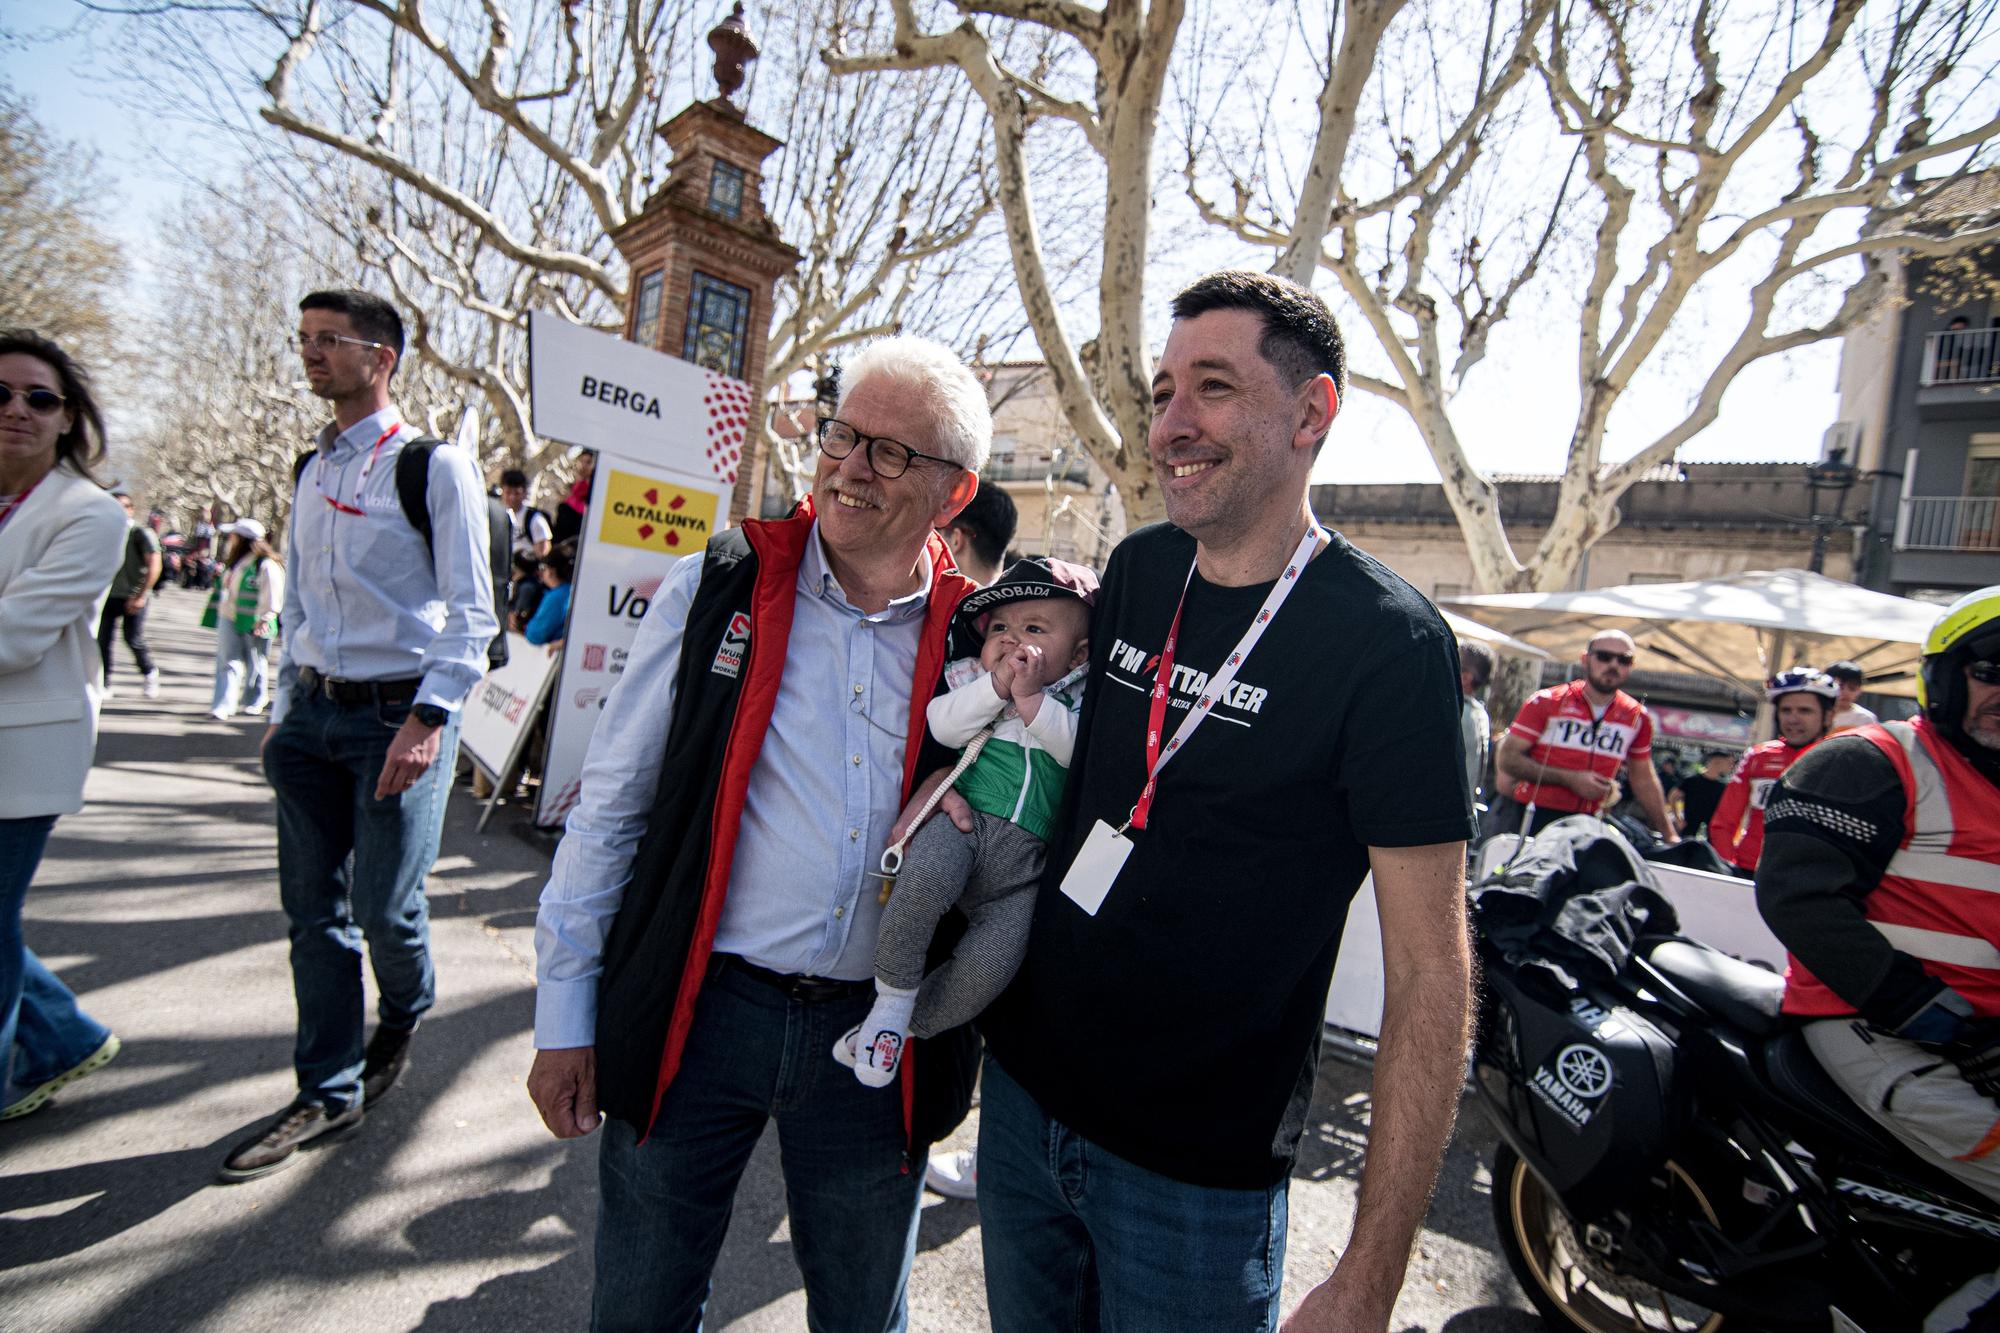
<point>450,1208</point>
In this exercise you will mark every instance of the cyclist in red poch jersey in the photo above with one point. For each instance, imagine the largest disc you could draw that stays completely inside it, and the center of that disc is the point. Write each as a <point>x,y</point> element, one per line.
<point>1562,755</point>
<point>1804,701</point>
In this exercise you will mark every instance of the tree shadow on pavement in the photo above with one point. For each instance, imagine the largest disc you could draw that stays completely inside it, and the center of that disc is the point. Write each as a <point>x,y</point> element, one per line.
<point>755,1269</point>
<point>109,953</point>
<point>119,1194</point>
<point>1335,1146</point>
<point>304,1235</point>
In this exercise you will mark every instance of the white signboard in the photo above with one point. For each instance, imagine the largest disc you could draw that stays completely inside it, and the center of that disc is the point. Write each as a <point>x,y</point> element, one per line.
<point>502,707</point>
<point>617,397</point>
<point>669,437</point>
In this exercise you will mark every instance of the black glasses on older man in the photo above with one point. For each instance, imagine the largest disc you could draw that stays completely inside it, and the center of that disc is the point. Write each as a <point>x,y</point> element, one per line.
<point>1986,673</point>
<point>1607,657</point>
<point>886,458</point>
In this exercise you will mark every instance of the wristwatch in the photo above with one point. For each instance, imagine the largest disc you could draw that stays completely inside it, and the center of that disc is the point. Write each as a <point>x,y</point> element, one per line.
<point>430,715</point>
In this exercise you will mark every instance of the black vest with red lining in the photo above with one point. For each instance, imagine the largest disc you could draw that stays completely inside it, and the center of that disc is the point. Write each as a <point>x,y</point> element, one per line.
<point>656,955</point>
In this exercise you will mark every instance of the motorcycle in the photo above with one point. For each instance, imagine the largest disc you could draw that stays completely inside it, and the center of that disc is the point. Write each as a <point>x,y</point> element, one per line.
<point>1673,1158</point>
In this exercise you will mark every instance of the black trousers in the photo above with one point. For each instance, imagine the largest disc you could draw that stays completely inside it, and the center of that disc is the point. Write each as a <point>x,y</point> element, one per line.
<point>135,634</point>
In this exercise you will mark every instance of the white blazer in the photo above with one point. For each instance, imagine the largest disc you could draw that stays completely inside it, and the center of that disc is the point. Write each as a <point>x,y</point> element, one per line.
<point>57,555</point>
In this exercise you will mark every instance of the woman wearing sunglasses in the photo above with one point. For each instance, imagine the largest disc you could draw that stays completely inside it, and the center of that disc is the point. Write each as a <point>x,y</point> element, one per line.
<point>61,539</point>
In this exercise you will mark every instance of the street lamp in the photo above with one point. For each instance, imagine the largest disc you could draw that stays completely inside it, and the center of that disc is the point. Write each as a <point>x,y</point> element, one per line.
<point>1831,474</point>
<point>826,390</point>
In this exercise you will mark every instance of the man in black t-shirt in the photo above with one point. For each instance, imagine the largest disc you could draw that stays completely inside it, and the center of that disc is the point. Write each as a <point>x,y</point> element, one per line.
<point>1152,1066</point>
<point>1702,791</point>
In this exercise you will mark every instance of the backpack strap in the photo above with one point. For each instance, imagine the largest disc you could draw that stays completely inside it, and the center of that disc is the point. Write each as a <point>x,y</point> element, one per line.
<point>413,485</point>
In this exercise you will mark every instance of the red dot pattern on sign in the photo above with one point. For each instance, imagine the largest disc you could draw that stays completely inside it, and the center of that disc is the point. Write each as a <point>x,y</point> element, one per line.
<point>673,538</point>
<point>729,404</point>
<point>645,530</point>
<point>652,495</point>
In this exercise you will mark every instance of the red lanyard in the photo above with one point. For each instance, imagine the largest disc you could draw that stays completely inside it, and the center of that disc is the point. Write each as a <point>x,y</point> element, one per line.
<point>17,501</point>
<point>366,468</point>
<point>1218,684</point>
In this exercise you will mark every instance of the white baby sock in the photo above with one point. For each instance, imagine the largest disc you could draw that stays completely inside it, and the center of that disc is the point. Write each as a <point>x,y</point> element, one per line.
<point>875,1049</point>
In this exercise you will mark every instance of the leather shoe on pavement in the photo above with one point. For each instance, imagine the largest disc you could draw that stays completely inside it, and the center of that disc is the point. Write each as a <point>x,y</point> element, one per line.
<point>387,1056</point>
<point>274,1147</point>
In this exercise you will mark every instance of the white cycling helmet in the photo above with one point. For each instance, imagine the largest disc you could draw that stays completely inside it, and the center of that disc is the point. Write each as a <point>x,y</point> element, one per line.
<point>1802,680</point>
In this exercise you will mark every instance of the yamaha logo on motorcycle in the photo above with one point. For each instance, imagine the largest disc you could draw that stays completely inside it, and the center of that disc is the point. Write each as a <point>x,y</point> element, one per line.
<point>1672,1156</point>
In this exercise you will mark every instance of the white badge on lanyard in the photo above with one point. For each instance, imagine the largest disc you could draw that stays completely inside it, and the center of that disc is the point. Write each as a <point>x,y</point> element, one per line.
<point>1090,876</point>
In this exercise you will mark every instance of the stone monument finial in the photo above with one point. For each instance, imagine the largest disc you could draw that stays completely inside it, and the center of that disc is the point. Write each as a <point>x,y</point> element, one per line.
<point>734,48</point>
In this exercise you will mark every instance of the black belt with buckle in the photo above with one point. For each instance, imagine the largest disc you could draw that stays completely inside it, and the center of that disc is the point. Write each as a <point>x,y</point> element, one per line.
<point>809,989</point>
<point>360,691</point>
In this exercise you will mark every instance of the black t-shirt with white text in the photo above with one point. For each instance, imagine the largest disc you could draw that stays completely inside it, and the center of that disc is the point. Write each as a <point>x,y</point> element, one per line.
<point>1179,1027</point>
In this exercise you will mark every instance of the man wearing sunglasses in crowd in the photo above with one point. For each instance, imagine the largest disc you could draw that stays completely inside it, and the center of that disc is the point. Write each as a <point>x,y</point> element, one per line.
<point>709,926</point>
<point>1562,755</point>
<point>385,634</point>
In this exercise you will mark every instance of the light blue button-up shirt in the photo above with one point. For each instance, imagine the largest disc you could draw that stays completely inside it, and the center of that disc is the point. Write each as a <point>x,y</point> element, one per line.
<point>364,599</point>
<point>827,785</point>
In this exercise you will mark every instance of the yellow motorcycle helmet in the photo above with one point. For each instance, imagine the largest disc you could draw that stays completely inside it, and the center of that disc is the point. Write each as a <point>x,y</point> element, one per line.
<point>1968,631</point>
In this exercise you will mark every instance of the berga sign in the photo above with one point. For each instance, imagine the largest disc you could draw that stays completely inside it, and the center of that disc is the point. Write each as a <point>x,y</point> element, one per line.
<point>670,437</point>
<point>620,398</point>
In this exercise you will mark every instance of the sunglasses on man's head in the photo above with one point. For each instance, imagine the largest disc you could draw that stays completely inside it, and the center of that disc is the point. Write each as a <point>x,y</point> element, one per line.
<point>42,402</point>
<point>1607,657</point>
<point>1986,673</point>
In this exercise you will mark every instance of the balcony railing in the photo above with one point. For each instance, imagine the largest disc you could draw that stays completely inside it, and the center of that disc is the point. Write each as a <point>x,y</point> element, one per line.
<point>1962,356</point>
<point>1949,523</point>
<point>1075,471</point>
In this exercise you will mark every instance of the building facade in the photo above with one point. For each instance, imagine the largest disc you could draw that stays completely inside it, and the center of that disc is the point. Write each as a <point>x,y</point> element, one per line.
<point>1920,418</point>
<point>1069,508</point>
<point>1683,521</point>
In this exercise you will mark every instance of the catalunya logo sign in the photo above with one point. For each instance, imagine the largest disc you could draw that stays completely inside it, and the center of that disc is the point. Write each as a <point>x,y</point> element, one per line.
<point>655,515</point>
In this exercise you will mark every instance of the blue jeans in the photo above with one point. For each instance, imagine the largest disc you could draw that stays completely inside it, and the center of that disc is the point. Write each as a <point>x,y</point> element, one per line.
<point>753,1055</point>
<point>42,1032</point>
<point>323,762</point>
<point>242,674</point>
<point>1076,1238</point>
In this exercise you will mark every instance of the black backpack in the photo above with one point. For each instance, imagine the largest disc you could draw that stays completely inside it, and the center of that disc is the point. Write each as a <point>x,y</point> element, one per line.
<point>413,487</point>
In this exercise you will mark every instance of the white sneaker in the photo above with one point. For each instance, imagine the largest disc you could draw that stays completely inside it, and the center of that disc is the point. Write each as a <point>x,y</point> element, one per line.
<point>152,687</point>
<point>955,1175</point>
<point>222,714</point>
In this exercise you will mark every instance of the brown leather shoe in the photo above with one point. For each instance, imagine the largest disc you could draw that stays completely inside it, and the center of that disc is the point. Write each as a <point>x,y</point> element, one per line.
<point>274,1147</point>
<point>387,1056</point>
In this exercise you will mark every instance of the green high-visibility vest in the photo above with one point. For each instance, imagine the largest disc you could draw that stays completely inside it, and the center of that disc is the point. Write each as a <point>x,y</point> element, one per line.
<point>246,600</point>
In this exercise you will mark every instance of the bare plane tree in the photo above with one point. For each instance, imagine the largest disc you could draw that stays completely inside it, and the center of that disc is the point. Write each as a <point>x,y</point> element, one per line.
<point>1013,54</point>
<point>59,270</point>
<point>1665,161</point>
<point>474,155</point>
<point>235,415</point>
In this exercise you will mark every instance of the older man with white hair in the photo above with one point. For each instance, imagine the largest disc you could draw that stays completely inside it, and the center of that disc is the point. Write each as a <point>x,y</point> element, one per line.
<point>1563,753</point>
<point>709,928</point>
